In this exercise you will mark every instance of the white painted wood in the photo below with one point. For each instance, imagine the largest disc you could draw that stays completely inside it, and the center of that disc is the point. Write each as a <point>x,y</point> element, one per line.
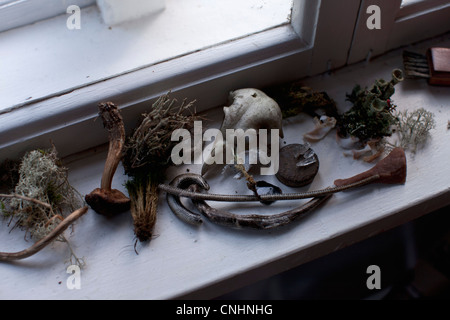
<point>204,262</point>
<point>207,76</point>
<point>372,42</point>
<point>334,34</point>
<point>400,26</point>
<point>420,25</point>
<point>115,12</point>
<point>34,114</point>
<point>417,7</point>
<point>18,13</point>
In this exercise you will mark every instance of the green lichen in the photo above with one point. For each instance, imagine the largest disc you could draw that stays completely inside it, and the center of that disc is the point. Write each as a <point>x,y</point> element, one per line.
<point>371,116</point>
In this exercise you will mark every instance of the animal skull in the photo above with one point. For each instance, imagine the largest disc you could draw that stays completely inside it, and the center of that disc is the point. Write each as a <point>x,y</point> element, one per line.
<point>250,109</point>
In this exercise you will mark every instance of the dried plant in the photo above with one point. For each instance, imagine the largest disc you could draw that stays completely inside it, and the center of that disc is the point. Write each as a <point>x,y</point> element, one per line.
<point>147,155</point>
<point>42,196</point>
<point>371,116</point>
<point>413,128</point>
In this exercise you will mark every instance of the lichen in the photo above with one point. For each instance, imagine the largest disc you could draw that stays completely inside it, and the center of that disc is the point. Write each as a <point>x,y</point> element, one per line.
<point>41,177</point>
<point>371,116</point>
<point>413,128</point>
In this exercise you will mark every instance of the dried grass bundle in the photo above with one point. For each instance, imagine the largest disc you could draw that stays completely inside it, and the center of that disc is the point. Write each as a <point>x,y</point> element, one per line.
<point>147,155</point>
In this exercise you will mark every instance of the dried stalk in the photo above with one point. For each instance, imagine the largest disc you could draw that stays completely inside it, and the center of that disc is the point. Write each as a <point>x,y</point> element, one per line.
<point>147,155</point>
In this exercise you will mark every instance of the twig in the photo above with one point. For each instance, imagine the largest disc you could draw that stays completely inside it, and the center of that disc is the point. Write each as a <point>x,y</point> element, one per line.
<point>39,245</point>
<point>18,196</point>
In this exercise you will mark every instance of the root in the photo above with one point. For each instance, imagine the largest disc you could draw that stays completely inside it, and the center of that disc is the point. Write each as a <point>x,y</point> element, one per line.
<point>39,245</point>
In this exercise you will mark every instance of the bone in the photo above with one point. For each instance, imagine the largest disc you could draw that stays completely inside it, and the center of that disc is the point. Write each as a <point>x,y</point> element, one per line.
<point>322,127</point>
<point>252,109</point>
<point>249,109</point>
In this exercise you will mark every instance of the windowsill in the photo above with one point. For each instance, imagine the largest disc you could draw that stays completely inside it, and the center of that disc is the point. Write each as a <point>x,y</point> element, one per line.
<point>57,60</point>
<point>204,262</point>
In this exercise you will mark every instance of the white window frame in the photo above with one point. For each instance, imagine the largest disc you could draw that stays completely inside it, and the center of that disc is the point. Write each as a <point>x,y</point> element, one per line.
<point>67,118</point>
<point>17,13</point>
<point>400,26</point>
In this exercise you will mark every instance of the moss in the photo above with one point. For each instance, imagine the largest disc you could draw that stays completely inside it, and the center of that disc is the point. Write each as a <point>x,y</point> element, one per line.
<point>372,113</point>
<point>294,98</point>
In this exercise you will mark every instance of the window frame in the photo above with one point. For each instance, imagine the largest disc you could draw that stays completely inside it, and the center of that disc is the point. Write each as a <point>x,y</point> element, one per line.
<point>207,76</point>
<point>400,26</point>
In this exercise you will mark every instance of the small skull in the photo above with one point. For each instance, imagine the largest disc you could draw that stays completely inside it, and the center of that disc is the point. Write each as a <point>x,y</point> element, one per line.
<point>250,109</point>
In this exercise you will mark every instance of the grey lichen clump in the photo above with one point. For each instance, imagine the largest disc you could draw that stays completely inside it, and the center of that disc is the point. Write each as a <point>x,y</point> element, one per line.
<point>413,128</point>
<point>42,178</point>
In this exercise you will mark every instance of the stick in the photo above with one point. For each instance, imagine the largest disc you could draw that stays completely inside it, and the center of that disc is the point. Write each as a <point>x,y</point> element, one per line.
<point>35,248</point>
<point>18,196</point>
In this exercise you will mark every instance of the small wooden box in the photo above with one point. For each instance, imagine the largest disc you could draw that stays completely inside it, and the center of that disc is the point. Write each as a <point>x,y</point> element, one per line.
<point>439,63</point>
